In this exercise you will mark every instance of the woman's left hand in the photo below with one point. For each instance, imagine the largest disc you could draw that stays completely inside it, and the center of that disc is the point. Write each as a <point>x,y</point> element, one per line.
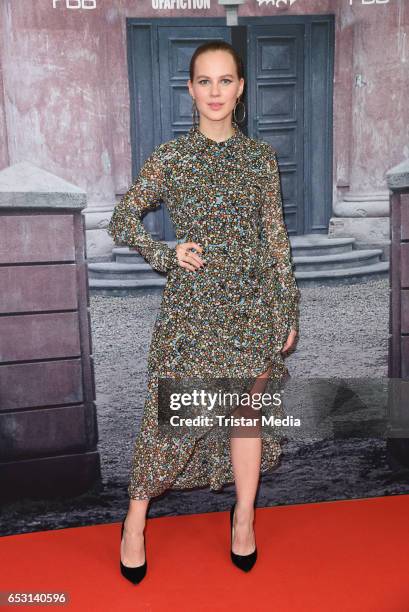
<point>290,340</point>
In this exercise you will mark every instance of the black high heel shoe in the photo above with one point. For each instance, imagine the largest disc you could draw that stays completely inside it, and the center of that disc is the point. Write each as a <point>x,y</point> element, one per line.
<point>244,562</point>
<point>133,574</point>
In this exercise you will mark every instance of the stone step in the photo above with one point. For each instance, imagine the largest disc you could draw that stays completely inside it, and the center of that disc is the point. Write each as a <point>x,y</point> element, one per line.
<point>319,244</point>
<point>308,278</point>
<point>125,255</point>
<point>350,259</point>
<point>116,286</point>
<point>339,276</point>
<point>308,245</point>
<point>115,270</point>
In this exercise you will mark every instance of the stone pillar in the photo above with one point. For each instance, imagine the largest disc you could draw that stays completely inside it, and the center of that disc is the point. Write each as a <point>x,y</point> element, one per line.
<point>376,120</point>
<point>398,182</point>
<point>48,426</point>
<point>397,447</point>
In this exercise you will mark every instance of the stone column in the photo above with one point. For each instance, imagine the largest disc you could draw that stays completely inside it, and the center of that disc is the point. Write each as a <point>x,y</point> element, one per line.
<point>397,447</point>
<point>378,116</point>
<point>398,181</point>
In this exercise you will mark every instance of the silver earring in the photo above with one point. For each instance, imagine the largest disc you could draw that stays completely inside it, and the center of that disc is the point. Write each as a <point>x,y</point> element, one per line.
<point>195,114</point>
<point>244,112</point>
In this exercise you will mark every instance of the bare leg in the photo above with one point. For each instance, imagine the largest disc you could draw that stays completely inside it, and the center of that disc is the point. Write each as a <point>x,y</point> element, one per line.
<point>246,460</point>
<point>132,549</point>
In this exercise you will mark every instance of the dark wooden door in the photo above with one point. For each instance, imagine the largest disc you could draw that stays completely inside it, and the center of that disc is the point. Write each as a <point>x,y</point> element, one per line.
<point>276,107</point>
<point>288,96</point>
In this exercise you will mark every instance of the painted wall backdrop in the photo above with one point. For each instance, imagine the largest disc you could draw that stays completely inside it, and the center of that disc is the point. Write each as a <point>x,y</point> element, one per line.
<point>65,106</point>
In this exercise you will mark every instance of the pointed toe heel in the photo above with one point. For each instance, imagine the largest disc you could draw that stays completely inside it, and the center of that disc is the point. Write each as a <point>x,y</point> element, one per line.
<point>133,574</point>
<point>243,562</point>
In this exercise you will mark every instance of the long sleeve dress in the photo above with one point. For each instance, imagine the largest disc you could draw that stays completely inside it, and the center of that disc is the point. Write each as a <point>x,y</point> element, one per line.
<point>229,319</point>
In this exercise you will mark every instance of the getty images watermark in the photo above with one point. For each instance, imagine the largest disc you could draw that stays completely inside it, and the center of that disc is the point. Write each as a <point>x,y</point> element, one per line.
<point>195,405</point>
<point>222,400</point>
<point>304,409</point>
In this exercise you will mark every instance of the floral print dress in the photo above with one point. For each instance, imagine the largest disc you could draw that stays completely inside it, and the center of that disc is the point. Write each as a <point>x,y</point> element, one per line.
<point>229,319</point>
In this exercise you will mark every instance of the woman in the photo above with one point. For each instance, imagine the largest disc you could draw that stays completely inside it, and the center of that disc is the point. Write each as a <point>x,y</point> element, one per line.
<point>230,304</point>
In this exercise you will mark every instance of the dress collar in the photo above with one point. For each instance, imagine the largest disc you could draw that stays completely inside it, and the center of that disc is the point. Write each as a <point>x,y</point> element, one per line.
<point>200,141</point>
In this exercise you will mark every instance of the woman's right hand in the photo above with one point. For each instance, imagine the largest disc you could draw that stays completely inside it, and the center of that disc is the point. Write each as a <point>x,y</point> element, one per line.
<point>187,259</point>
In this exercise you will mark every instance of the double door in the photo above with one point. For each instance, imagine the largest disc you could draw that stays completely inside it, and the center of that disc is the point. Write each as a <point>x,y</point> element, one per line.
<point>288,98</point>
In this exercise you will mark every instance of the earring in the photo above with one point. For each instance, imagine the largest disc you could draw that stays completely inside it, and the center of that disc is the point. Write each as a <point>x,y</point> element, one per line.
<point>244,112</point>
<point>195,114</point>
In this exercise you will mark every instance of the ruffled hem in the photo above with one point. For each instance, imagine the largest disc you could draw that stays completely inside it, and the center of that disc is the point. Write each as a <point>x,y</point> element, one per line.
<point>194,470</point>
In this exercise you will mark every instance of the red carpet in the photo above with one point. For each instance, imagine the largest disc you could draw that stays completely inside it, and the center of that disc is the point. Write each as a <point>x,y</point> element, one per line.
<point>330,556</point>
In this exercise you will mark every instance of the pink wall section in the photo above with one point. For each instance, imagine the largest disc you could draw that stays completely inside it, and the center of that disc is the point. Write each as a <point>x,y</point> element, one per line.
<point>64,101</point>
